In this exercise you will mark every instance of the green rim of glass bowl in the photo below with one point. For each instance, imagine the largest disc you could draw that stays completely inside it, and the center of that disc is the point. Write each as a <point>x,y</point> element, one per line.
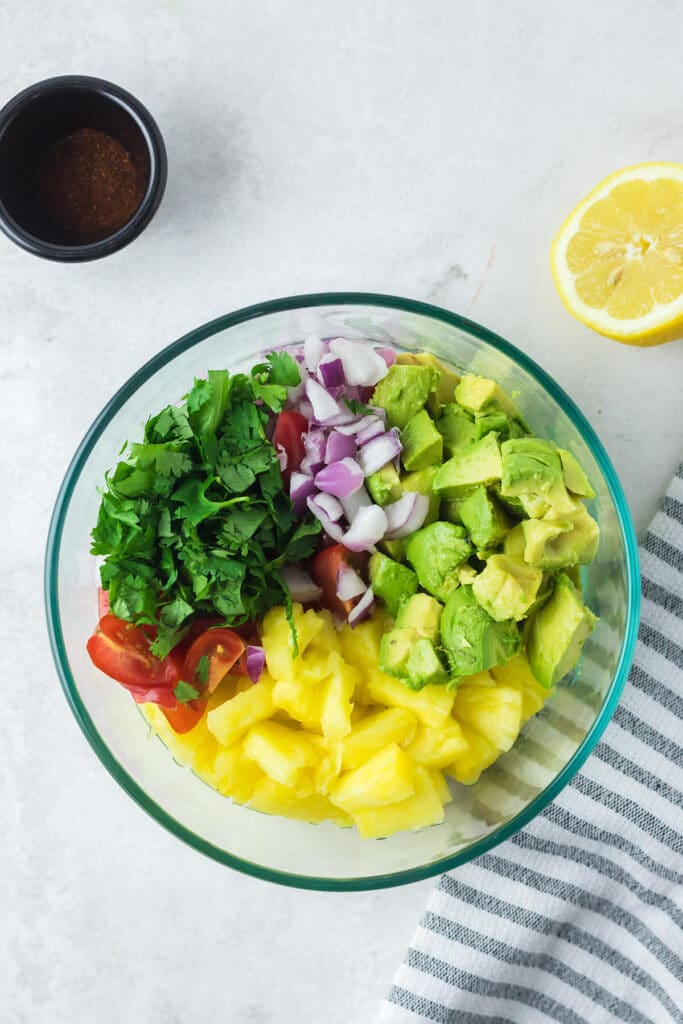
<point>129,784</point>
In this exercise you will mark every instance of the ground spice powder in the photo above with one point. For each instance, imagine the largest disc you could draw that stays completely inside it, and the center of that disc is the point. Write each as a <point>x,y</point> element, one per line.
<point>88,184</point>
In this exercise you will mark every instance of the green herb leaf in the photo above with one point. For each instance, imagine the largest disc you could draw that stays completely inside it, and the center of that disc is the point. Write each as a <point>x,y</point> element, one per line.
<point>202,670</point>
<point>184,692</point>
<point>357,407</point>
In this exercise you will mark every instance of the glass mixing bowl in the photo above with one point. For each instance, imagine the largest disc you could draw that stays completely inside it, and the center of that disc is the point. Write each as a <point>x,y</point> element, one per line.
<point>553,745</point>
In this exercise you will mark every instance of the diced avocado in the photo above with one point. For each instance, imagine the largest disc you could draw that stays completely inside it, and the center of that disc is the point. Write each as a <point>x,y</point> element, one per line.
<point>457,427</point>
<point>505,426</point>
<point>506,589</point>
<point>391,581</point>
<point>473,641</point>
<point>422,481</point>
<point>404,391</point>
<point>394,651</point>
<point>513,505</point>
<point>435,552</point>
<point>574,477</point>
<point>422,442</point>
<point>480,394</point>
<point>450,509</point>
<point>467,574</point>
<point>555,542</point>
<point>532,472</point>
<point>478,463</point>
<point>514,543</point>
<point>557,633</point>
<point>384,485</point>
<point>424,667</point>
<point>421,613</point>
<point>483,518</point>
<point>448,381</point>
<point>396,549</point>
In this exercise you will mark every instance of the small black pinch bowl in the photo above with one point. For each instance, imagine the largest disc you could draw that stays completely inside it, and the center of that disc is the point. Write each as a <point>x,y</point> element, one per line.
<point>50,110</point>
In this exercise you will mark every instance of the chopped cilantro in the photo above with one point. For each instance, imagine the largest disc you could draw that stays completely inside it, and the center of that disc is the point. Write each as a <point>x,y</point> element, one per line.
<point>357,407</point>
<point>201,673</point>
<point>194,518</point>
<point>184,692</point>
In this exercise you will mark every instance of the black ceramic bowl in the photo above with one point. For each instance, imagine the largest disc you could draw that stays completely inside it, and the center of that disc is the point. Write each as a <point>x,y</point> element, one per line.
<point>51,110</point>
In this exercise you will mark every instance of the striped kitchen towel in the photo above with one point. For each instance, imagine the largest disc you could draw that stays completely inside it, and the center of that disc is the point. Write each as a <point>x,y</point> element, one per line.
<point>578,918</point>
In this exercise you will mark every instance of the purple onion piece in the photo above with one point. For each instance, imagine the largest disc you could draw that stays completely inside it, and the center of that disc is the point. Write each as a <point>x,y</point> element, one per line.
<point>281,457</point>
<point>352,426</point>
<point>310,466</point>
<point>306,409</point>
<point>340,478</point>
<point>406,515</point>
<point>361,610</point>
<point>359,499</point>
<point>349,583</point>
<point>300,585</point>
<point>314,444</point>
<point>372,428</point>
<point>301,487</point>
<point>339,446</point>
<point>329,504</point>
<point>256,662</point>
<point>330,371</point>
<point>379,451</point>
<point>325,408</point>
<point>332,529</point>
<point>314,349</point>
<point>388,355</point>
<point>368,527</point>
<point>362,365</point>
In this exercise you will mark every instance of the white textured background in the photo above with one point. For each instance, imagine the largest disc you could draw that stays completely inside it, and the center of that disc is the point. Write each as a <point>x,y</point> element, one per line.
<point>426,148</point>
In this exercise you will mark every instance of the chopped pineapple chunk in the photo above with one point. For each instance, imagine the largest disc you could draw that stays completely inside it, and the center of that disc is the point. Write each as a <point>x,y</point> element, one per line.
<point>393,725</point>
<point>495,712</point>
<point>516,673</point>
<point>280,752</point>
<point>437,747</point>
<point>335,706</point>
<point>423,808</point>
<point>273,798</point>
<point>479,756</point>
<point>432,704</point>
<point>301,701</point>
<point>233,718</point>
<point>387,778</point>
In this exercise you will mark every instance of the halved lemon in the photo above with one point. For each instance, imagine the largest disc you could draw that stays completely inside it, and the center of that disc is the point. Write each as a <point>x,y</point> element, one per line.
<point>617,260</point>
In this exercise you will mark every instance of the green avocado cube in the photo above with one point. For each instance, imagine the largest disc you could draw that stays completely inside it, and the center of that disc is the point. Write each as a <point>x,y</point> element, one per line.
<point>404,391</point>
<point>394,651</point>
<point>396,549</point>
<point>422,481</point>
<point>532,472</point>
<point>574,477</point>
<point>456,427</point>
<point>421,613</point>
<point>435,552</point>
<point>384,485</point>
<point>505,588</point>
<point>391,581</point>
<point>472,640</point>
<point>483,518</point>
<point>559,542</point>
<point>422,442</point>
<point>478,463</point>
<point>481,394</point>
<point>446,385</point>
<point>557,632</point>
<point>505,426</point>
<point>424,666</point>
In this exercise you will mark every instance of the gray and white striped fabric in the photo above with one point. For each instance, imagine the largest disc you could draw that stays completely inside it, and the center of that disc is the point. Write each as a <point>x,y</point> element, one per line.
<point>578,919</point>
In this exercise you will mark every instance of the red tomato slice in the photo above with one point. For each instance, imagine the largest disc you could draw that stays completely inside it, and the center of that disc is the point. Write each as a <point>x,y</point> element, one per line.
<point>324,570</point>
<point>222,647</point>
<point>289,431</point>
<point>121,651</point>
<point>183,717</point>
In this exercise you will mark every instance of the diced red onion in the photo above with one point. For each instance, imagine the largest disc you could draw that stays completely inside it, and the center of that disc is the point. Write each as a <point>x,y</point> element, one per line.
<point>315,442</point>
<point>340,478</point>
<point>256,662</point>
<point>300,585</point>
<point>367,528</point>
<point>372,428</point>
<point>310,466</point>
<point>406,515</point>
<point>305,408</point>
<point>352,426</point>
<point>359,499</point>
<point>388,355</point>
<point>379,451</point>
<point>329,504</point>
<point>314,349</point>
<point>332,529</point>
<point>339,446</point>
<point>281,457</point>
<point>301,487</point>
<point>325,409</point>
<point>362,364</point>
<point>361,610</point>
<point>349,583</point>
<point>330,371</point>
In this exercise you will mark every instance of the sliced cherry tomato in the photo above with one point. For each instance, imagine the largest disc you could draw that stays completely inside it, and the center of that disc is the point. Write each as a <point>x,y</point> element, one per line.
<point>289,431</point>
<point>222,648</point>
<point>184,717</point>
<point>121,650</point>
<point>324,571</point>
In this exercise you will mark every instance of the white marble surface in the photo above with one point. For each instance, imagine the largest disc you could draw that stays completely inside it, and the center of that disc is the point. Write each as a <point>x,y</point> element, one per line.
<point>427,149</point>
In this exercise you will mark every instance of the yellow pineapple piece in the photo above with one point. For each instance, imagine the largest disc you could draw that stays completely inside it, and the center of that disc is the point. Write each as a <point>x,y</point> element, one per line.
<point>278,642</point>
<point>479,756</point>
<point>273,798</point>
<point>360,645</point>
<point>496,712</point>
<point>328,769</point>
<point>387,778</point>
<point>441,785</point>
<point>436,747</point>
<point>423,808</point>
<point>432,704</point>
<point>233,774</point>
<point>516,673</point>
<point>231,719</point>
<point>280,752</point>
<point>478,679</point>
<point>300,700</point>
<point>335,705</point>
<point>375,731</point>
<point>328,637</point>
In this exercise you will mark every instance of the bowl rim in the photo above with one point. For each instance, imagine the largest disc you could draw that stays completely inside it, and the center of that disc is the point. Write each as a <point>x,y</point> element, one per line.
<point>126,781</point>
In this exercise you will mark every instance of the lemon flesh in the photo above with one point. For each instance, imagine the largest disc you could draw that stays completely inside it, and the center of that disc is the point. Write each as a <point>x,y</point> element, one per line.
<point>617,260</point>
